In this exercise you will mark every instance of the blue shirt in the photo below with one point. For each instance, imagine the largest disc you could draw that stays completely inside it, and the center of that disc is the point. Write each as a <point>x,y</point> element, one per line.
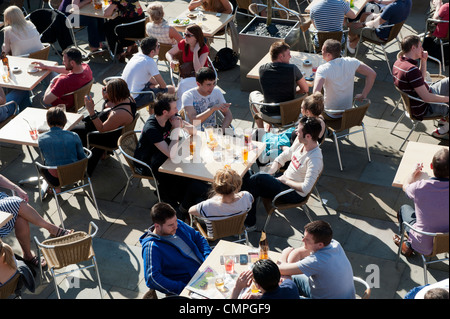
<point>60,147</point>
<point>394,13</point>
<point>286,290</point>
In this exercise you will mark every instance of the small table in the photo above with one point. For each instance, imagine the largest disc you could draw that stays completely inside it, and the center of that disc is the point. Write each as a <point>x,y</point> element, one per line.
<point>89,11</point>
<point>415,153</point>
<point>23,80</point>
<point>358,5</point>
<point>4,218</point>
<point>204,164</point>
<point>210,25</point>
<point>226,248</point>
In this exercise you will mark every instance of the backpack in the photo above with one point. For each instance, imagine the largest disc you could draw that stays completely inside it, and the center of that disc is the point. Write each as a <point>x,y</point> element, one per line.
<point>225,59</point>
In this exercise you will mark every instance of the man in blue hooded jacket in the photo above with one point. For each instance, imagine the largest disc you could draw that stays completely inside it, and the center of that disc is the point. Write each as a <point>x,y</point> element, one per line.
<point>172,251</point>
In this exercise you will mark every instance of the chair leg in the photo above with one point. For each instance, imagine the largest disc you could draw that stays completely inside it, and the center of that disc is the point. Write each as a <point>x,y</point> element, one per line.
<point>442,55</point>
<point>306,210</point>
<point>398,121</point>
<point>337,151</point>
<point>94,262</point>
<point>59,209</point>
<point>126,188</point>
<point>397,104</point>
<point>93,198</point>
<point>387,59</point>
<point>365,140</point>
<point>117,154</point>
<point>54,282</point>
<point>409,134</point>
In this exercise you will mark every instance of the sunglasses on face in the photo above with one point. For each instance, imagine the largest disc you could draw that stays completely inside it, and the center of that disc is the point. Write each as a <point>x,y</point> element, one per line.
<point>188,35</point>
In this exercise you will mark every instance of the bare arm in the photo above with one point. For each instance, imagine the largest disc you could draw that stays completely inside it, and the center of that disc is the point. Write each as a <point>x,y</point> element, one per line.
<point>370,75</point>
<point>6,183</point>
<point>174,34</point>
<point>302,86</point>
<point>413,177</point>
<point>429,97</point>
<point>109,10</point>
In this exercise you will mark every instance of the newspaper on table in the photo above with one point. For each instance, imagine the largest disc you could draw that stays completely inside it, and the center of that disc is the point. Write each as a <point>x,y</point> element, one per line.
<point>203,284</point>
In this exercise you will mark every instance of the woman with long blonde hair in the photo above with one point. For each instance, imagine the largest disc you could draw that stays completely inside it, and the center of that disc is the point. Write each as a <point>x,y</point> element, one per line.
<point>8,266</point>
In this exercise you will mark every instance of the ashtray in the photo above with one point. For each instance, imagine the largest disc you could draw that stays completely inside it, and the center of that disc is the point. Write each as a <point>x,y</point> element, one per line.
<point>16,69</point>
<point>307,63</point>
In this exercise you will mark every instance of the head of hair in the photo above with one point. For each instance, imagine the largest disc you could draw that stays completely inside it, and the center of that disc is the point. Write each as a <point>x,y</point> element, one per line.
<point>7,253</point>
<point>73,54</point>
<point>278,48</point>
<point>311,126</point>
<point>117,90</point>
<point>436,293</point>
<point>156,12</point>
<point>266,274</point>
<point>162,103</point>
<point>13,16</point>
<point>440,163</point>
<point>204,74</point>
<point>408,42</point>
<point>332,47</point>
<point>56,117</point>
<point>161,212</point>
<point>321,231</point>
<point>198,35</point>
<point>226,181</point>
<point>314,103</point>
<point>148,44</point>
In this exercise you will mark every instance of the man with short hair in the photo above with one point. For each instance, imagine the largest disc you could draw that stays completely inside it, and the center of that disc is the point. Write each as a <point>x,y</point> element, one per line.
<point>280,81</point>
<point>431,205</point>
<point>200,103</point>
<point>73,75</point>
<point>393,13</point>
<point>172,251</point>
<point>409,77</point>
<point>141,73</point>
<point>306,164</point>
<point>320,268</point>
<point>336,78</point>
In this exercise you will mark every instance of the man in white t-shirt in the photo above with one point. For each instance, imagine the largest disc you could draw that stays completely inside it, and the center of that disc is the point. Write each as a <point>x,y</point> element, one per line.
<point>141,73</point>
<point>200,103</point>
<point>336,78</point>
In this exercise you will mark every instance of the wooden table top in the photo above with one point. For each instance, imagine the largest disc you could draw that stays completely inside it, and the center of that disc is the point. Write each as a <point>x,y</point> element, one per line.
<point>416,153</point>
<point>17,130</point>
<point>23,80</point>
<point>228,248</point>
<point>4,218</point>
<point>297,58</point>
<point>211,23</point>
<point>203,165</point>
<point>358,5</point>
<point>89,10</point>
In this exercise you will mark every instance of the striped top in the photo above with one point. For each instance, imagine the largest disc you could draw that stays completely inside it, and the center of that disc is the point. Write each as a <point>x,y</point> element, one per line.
<point>407,77</point>
<point>160,31</point>
<point>328,15</point>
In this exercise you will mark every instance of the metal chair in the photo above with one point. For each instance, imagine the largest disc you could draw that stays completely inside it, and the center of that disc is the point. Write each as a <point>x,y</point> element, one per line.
<point>69,177</point>
<point>350,118</point>
<point>442,41</point>
<point>271,205</point>
<point>41,54</point>
<point>227,227</point>
<point>78,97</point>
<point>366,294</point>
<point>406,98</point>
<point>393,35</point>
<point>10,287</point>
<point>440,246</point>
<point>322,36</point>
<point>69,250</point>
<point>289,112</point>
<point>127,145</point>
<point>123,26</point>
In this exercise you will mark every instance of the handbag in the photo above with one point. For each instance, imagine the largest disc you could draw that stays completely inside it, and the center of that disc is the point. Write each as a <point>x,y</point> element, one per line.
<point>225,59</point>
<point>187,70</point>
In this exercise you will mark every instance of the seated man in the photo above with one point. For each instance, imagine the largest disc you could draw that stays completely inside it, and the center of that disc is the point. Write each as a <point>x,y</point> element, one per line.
<point>329,16</point>
<point>280,81</point>
<point>266,277</point>
<point>336,78</point>
<point>74,74</point>
<point>431,205</point>
<point>301,174</point>
<point>409,78</point>
<point>200,103</point>
<point>393,13</point>
<point>172,251</point>
<point>141,73</point>
<point>320,268</point>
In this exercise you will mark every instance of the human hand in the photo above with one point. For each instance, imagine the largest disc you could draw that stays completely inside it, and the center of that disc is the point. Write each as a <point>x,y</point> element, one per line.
<point>89,103</point>
<point>244,280</point>
<point>424,56</point>
<point>175,121</point>
<point>360,97</point>
<point>197,47</point>
<point>21,193</point>
<point>223,107</point>
<point>39,65</point>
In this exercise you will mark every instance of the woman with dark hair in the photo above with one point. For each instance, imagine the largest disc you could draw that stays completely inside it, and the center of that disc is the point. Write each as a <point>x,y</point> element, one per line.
<point>119,109</point>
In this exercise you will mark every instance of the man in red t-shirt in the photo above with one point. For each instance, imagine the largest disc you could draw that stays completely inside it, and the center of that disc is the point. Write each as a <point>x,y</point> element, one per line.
<point>441,13</point>
<point>409,77</point>
<point>72,75</point>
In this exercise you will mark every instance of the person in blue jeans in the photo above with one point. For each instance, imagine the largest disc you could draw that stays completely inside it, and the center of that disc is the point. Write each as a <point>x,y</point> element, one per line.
<point>22,98</point>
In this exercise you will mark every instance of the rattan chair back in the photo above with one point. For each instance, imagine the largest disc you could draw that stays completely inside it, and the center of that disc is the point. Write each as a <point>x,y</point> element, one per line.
<point>78,96</point>
<point>41,54</point>
<point>9,287</point>
<point>290,110</point>
<point>225,227</point>
<point>128,144</point>
<point>72,173</point>
<point>322,36</point>
<point>440,244</point>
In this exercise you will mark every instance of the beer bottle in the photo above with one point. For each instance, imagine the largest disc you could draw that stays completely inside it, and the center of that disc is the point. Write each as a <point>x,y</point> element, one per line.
<point>351,4</point>
<point>263,247</point>
<point>5,59</point>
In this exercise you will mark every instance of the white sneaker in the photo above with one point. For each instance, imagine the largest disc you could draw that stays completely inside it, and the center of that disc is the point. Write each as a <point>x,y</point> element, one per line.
<point>350,49</point>
<point>443,136</point>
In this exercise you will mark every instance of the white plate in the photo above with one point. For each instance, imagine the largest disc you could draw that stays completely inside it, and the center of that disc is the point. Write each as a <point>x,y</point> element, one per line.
<point>33,70</point>
<point>186,21</point>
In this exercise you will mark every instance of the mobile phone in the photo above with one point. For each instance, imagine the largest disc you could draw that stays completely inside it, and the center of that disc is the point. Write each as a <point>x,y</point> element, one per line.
<point>243,259</point>
<point>218,14</point>
<point>222,260</point>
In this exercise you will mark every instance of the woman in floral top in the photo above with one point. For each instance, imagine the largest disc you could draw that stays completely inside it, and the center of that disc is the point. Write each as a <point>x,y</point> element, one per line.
<point>129,11</point>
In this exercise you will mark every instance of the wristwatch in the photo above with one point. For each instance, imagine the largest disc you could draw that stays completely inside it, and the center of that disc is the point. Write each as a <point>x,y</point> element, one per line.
<point>93,117</point>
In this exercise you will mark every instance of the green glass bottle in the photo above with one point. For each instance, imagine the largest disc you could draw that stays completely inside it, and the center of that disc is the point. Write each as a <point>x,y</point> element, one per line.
<point>351,4</point>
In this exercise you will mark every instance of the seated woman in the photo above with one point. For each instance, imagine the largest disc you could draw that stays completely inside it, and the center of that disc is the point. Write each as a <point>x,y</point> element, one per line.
<point>194,54</point>
<point>119,109</point>
<point>23,214</point>
<point>221,6</point>
<point>159,28</point>
<point>226,199</point>
<point>95,26</point>
<point>20,38</point>
<point>8,266</point>
<point>59,147</point>
<point>129,11</point>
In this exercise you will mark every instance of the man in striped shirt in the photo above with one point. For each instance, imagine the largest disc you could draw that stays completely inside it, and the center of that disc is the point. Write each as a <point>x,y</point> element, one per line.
<point>409,78</point>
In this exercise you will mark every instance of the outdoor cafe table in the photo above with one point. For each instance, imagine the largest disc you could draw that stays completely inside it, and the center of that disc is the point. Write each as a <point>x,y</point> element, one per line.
<point>224,248</point>
<point>4,218</point>
<point>22,79</point>
<point>203,165</point>
<point>210,25</point>
<point>297,58</point>
<point>416,153</point>
<point>358,5</point>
